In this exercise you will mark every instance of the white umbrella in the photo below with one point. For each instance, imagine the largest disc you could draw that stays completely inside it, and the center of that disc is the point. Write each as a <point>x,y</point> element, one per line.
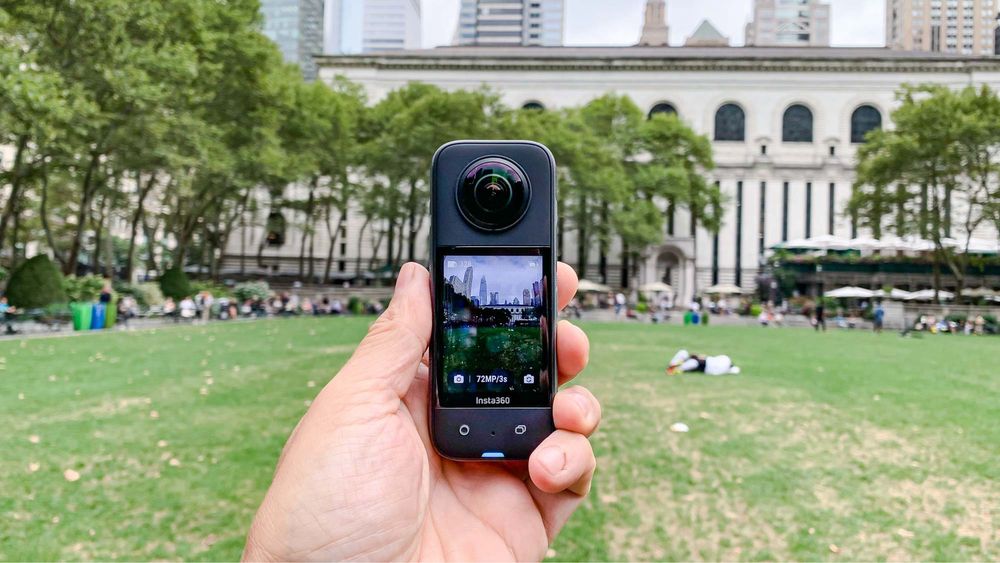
<point>928,295</point>
<point>585,286</point>
<point>830,242</point>
<point>864,243</point>
<point>850,292</point>
<point>893,293</point>
<point>724,289</point>
<point>979,292</point>
<point>656,287</point>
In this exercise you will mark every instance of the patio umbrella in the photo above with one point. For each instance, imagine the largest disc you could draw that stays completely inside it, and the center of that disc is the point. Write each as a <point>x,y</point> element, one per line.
<point>864,243</point>
<point>587,286</point>
<point>928,295</point>
<point>656,287</point>
<point>979,292</point>
<point>850,292</point>
<point>893,293</point>
<point>723,289</point>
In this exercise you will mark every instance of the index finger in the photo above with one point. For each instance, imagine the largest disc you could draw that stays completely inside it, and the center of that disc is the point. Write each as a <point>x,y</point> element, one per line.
<point>566,282</point>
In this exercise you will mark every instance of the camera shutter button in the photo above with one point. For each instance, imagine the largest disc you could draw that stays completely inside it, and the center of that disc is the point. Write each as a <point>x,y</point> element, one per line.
<point>463,430</point>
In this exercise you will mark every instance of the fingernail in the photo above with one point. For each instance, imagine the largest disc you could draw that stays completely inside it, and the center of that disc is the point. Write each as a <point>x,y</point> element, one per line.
<point>553,459</point>
<point>405,275</point>
<point>582,402</point>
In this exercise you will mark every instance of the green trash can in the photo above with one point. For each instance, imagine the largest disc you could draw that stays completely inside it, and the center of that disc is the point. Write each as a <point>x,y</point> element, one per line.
<point>81,315</point>
<point>111,315</point>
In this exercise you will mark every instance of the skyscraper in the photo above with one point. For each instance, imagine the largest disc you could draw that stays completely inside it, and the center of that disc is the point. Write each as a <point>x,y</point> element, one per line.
<point>948,26</point>
<point>467,282</point>
<point>482,291</point>
<point>655,32</point>
<point>370,26</point>
<point>526,297</point>
<point>297,27</point>
<point>798,23</point>
<point>511,22</point>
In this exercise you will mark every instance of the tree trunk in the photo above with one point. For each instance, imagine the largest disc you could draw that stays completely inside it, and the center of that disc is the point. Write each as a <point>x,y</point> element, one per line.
<point>136,218</point>
<point>15,186</point>
<point>150,233</point>
<point>307,225</point>
<point>334,239</point>
<point>361,238</point>
<point>81,215</point>
<point>411,205</point>
<point>625,265</point>
<point>391,244</point>
<point>98,226</point>
<point>43,215</point>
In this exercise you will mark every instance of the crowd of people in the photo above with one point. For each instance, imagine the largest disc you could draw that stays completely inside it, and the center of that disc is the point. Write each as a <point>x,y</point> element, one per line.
<point>204,306</point>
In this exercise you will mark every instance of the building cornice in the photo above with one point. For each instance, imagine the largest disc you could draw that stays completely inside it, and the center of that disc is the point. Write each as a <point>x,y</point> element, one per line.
<point>864,62</point>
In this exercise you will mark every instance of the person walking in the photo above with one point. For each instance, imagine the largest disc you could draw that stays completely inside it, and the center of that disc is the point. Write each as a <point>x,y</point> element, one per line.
<point>619,304</point>
<point>878,318</point>
<point>820,316</point>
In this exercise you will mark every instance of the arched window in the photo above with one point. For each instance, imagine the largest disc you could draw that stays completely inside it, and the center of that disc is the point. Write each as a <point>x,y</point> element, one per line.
<point>662,107</point>
<point>730,123</point>
<point>797,125</point>
<point>275,229</point>
<point>864,119</point>
<point>533,105</point>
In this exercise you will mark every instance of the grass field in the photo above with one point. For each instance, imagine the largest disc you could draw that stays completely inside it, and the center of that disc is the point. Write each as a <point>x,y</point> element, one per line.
<point>160,444</point>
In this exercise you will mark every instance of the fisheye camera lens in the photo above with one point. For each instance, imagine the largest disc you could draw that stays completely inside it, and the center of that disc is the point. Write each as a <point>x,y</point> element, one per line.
<point>493,194</point>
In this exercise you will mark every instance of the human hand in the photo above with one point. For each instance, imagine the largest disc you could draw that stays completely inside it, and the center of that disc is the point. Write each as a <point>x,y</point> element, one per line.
<point>359,477</point>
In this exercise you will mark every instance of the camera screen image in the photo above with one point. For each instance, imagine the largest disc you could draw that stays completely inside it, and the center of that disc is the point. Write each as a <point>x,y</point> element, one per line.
<point>493,349</point>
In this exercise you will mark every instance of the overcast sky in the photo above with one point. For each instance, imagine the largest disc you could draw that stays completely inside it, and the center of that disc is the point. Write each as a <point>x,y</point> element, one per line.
<point>618,22</point>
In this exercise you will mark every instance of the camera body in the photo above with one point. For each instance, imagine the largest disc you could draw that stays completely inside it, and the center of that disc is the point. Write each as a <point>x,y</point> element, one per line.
<point>493,371</point>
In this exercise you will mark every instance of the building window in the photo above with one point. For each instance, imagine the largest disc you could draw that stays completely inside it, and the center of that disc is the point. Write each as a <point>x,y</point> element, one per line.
<point>784,212</point>
<point>671,209</point>
<point>662,107</point>
<point>730,123</point>
<point>763,150</point>
<point>739,234</point>
<point>275,229</point>
<point>797,124</point>
<point>864,119</point>
<point>533,105</point>
<point>809,208</point>
<point>830,204</point>
<point>762,224</point>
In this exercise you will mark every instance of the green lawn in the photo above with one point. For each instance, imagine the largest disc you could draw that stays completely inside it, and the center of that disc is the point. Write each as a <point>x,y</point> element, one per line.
<point>829,446</point>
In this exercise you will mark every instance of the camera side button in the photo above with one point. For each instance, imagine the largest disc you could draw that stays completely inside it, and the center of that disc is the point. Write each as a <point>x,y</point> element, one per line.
<point>463,430</point>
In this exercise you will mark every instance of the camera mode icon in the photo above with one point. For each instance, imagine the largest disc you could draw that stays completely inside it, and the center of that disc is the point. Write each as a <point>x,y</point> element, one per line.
<point>520,429</point>
<point>529,379</point>
<point>459,378</point>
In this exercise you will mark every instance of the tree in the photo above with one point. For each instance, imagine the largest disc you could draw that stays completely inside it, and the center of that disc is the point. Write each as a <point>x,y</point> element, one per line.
<point>174,284</point>
<point>35,283</point>
<point>941,163</point>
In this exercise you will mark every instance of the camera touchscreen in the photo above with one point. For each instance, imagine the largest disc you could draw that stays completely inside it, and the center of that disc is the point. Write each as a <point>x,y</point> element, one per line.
<point>493,347</point>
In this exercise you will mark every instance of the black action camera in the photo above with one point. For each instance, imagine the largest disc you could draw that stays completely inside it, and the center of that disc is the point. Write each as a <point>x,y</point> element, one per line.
<point>493,363</point>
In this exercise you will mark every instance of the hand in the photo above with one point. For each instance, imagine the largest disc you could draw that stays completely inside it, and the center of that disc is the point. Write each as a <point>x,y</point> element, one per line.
<point>359,478</point>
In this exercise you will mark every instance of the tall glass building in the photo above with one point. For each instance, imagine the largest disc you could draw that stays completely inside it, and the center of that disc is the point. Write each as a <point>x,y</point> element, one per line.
<point>297,27</point>
<point>370,26</point>
<point>511,22</point>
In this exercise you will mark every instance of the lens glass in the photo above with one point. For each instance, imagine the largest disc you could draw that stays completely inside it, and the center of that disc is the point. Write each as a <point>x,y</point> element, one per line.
<point>493,194</point>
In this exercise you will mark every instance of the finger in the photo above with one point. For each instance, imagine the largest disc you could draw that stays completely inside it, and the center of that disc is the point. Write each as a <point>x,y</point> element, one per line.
<point>576,410</point>
<point>572,350</point>
<point>566,282</point>
<point>396,342</point>
<point>563,462</point>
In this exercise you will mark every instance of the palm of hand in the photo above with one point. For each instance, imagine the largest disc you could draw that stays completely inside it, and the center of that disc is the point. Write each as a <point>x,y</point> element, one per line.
<point>360,479</point>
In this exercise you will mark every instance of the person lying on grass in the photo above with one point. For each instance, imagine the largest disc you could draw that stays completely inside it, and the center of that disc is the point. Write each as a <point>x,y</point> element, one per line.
<point>684,362</point>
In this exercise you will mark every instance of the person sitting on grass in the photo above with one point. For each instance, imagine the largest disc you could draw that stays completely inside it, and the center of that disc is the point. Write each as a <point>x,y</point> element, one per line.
<point>684,362</point>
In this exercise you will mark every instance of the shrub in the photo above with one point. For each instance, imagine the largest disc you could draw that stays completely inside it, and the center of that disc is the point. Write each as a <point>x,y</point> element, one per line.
<point>35,283</point>
<point>83,289</point>
<point>356,305</point>
<point>215,289</point>
<point>174,283</point>
<point>252,290</point>
<point>641,307</point>
<point>755,310</point>
<point>145,294</point>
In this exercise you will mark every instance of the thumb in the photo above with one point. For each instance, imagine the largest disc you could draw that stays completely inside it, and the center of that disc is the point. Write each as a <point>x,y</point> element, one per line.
<point>391,352</point>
